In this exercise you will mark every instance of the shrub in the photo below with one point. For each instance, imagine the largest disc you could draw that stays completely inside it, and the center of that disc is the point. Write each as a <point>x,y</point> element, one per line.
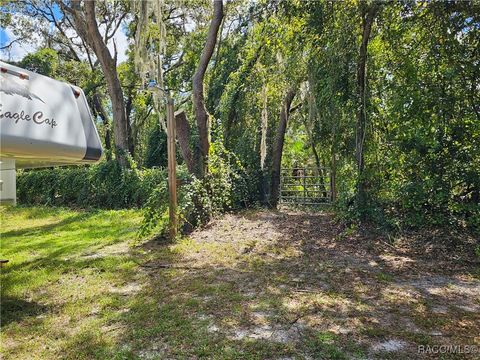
<point>105,185</point>
<point>225,186</point>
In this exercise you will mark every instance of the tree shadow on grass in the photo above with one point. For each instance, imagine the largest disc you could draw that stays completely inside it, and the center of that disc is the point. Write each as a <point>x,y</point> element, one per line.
<point>327,300</point>
<point>350,299</point>
<point>46,251</point>
<point>50,259</point>
<point>47,227</point>
<point>15,309</point>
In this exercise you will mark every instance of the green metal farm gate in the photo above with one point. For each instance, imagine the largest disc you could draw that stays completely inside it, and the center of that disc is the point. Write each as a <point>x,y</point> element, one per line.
<point>306,186</point>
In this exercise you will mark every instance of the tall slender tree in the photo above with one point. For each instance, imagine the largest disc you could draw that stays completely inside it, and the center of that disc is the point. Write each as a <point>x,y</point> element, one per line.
<point>368,14</point>
<point>86,25</point>
<point>278,147</point>
<point>201,113</point>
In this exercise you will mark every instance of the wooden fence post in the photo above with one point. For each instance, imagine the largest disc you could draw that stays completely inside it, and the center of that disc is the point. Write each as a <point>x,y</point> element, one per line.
<point>172,172</point>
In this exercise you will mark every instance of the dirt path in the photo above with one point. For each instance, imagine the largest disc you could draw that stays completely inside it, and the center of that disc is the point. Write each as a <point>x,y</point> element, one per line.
<point>296,286</point>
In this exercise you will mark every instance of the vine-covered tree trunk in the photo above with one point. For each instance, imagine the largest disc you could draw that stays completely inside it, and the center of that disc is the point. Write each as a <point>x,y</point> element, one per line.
<point>368,17</point>
<point>87,27</point>
<point>201,114</point>
<point>233,110</point>
<point>278,147</point>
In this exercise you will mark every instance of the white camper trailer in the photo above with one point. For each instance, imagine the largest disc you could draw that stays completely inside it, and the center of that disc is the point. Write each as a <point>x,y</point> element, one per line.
<point>43,122</point>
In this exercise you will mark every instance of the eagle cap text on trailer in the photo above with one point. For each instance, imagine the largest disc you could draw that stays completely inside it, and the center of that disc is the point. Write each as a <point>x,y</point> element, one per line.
<point>43,122</point>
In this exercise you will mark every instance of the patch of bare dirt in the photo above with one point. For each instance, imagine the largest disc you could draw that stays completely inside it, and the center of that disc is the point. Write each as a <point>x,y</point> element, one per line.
<point>295,274</point>
<point>109,250</point>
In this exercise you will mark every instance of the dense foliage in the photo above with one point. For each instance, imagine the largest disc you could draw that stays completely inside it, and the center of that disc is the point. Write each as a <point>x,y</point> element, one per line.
<point>385,101</point>
<point>226,186</point>
<point>422,159</point>
<point>106,185</point>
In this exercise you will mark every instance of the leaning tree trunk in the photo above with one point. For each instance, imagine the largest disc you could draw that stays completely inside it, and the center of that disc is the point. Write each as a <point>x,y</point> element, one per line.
<point>201,114</point>
<point>278,148</point>
<point>367,22</point>
<point>99,109</point>
<point>183,136</point>
<point>87,28</point>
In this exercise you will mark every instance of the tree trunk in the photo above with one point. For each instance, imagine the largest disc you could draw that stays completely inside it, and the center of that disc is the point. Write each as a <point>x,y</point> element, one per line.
<point>278,148</point>
<point>368,17</point>
<point>309,127</point>
<point>97,104</point>
<point>87,28</point>
<point>320,171</point>
<point>183,136</point>
<point>318,163</point>
<point>333,174</point>
<point>333,179</point>
<point>128,112</point>
<point>201,114</point>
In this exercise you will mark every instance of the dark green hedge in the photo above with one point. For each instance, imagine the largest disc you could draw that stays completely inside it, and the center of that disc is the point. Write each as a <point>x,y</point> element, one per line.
<point>106,185</point>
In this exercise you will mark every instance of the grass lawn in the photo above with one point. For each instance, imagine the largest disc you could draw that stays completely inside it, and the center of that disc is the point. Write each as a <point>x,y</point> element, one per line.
<point>62,288</point>
<point>256,285</point>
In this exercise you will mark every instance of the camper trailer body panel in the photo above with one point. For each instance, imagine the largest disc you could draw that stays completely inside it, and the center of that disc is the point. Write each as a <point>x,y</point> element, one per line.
<point>44,122</point>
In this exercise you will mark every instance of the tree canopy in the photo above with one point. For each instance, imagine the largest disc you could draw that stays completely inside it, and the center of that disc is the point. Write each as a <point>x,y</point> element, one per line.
<point>381,97</point>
